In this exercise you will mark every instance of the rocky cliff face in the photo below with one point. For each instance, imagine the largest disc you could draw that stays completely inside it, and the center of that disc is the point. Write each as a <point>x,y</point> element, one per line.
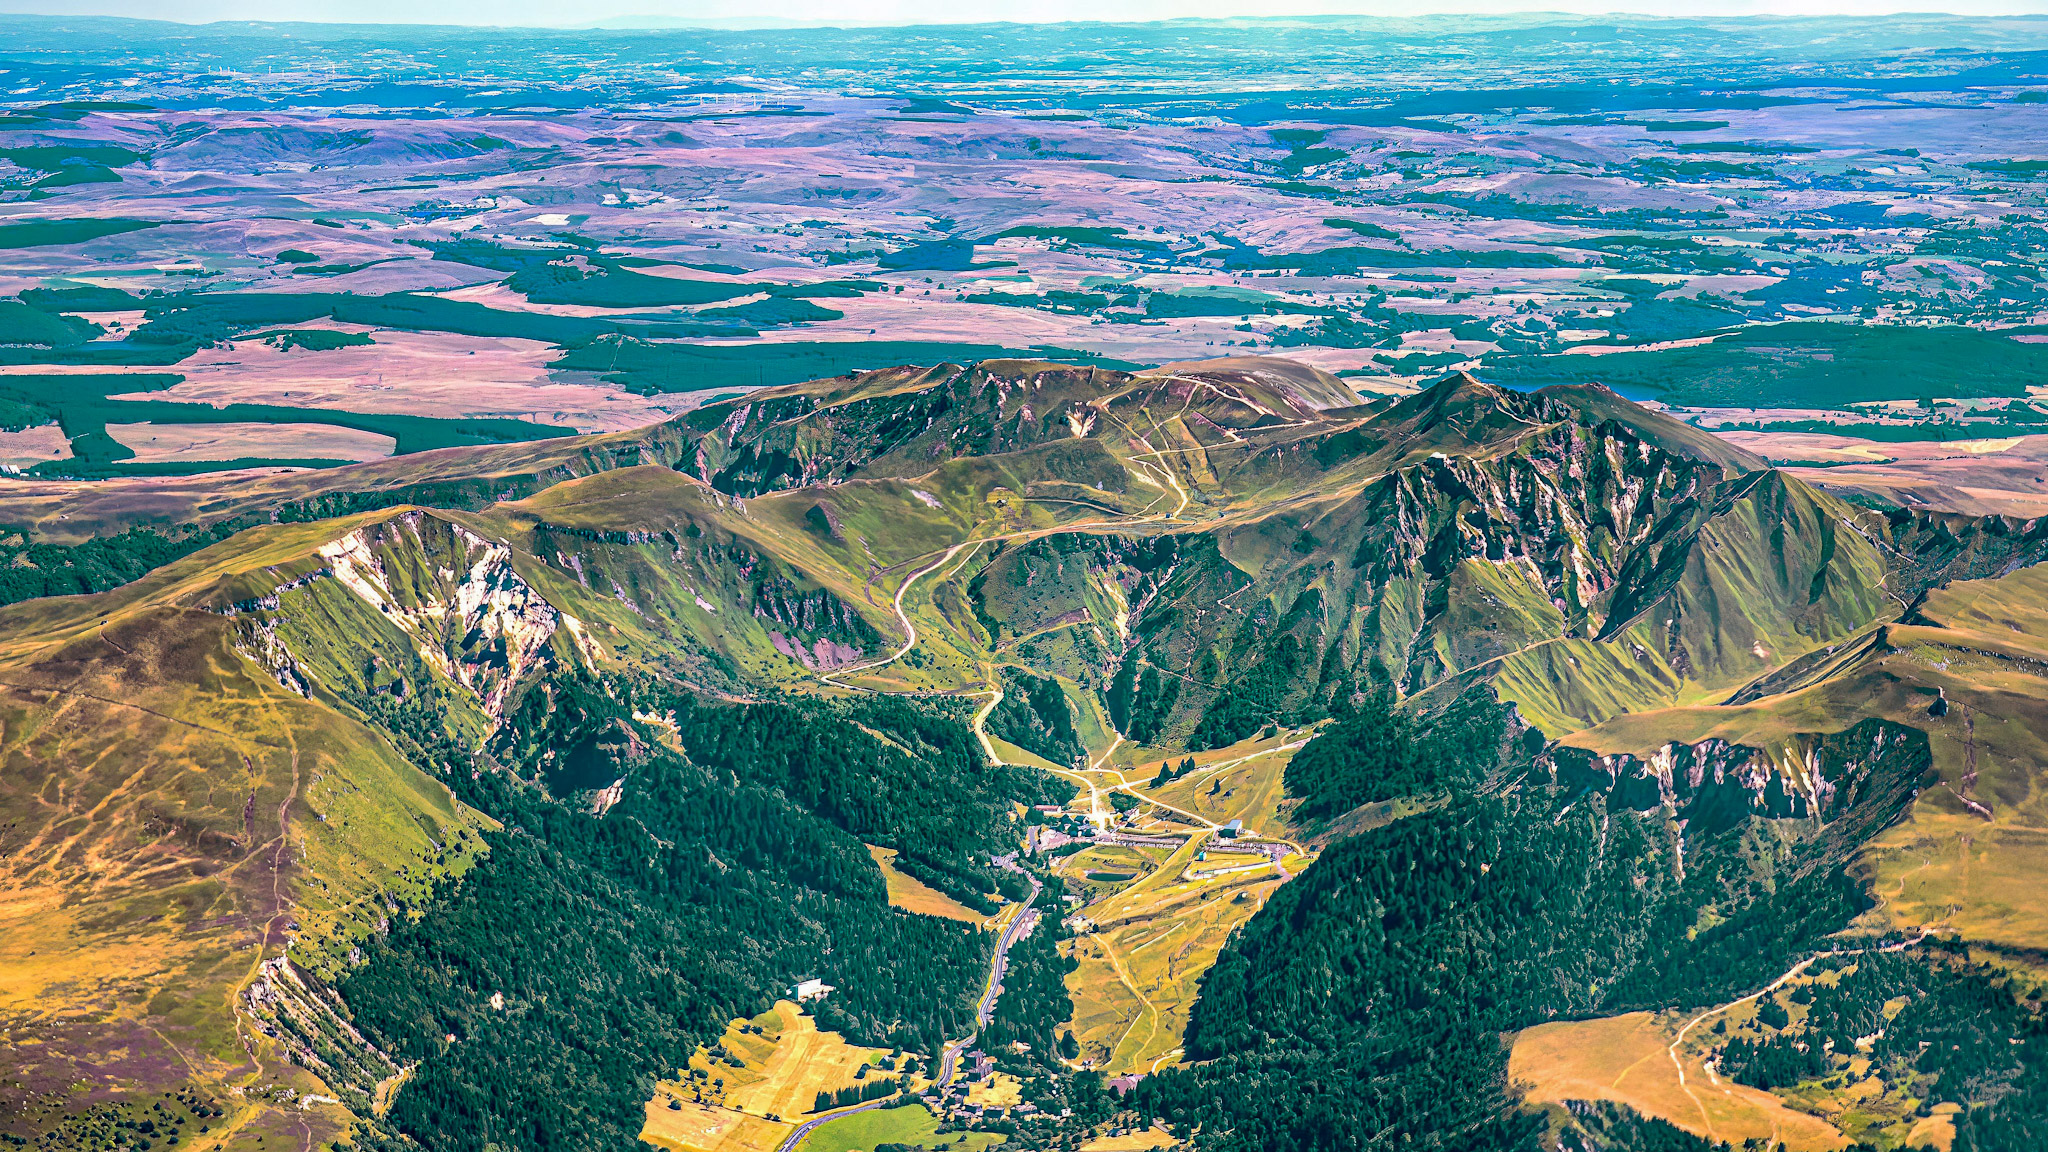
<point>1867,774</point>
<point>412,604</point>
<point>1592,564</point>
<point>473,617</point>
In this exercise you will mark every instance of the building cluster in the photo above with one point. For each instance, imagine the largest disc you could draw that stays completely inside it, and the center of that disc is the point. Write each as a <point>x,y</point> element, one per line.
<point>951,1102</point>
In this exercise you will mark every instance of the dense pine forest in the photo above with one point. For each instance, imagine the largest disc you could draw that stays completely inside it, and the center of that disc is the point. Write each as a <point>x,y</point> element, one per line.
<point>1034,715</point>
<point>544,992</point>
<point>1364,1006</point>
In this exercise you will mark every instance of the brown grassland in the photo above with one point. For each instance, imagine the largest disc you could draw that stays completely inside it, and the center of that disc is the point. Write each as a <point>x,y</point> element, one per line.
<point>783,1068</point>
<point>1630,1059</point>
<point>1626,1059</point>
<point>233,441</point>
<point>914,895</point>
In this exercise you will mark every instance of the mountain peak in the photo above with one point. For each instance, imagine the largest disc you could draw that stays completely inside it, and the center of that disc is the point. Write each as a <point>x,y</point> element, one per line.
<point>1596,402</point>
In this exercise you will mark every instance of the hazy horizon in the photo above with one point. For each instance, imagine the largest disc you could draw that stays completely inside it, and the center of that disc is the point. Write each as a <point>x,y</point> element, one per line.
<point>817,13</point>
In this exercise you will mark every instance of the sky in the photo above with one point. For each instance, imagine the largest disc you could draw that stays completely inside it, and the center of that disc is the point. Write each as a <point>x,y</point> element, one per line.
<point>768,13</point>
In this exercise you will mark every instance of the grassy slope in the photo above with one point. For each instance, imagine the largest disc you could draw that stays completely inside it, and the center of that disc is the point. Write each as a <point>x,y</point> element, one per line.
<point>1983,646</point>
<point>1624,1059</point>
<point>1967,860</point>
<point>1142,964</point>
<point>649,562</point>
<point>172,814</point>
<point>914,895</point>
<point>1772,572</point>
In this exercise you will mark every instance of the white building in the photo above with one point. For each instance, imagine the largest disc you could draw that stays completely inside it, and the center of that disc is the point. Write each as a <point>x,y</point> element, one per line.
<point>810,990</point>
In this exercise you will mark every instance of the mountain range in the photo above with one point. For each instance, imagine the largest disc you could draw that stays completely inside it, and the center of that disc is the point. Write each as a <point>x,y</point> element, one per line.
<point>454,800</point>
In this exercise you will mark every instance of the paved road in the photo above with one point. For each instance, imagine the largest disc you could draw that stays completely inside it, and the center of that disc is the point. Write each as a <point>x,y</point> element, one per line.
<point>1011,935</point>
<point>949,1059</point>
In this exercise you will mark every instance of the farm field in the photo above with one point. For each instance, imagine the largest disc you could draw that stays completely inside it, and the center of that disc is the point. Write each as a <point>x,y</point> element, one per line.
<point>1995,475</point>
<point>29,447</point>
<point>915,1126</point>
<point>782,1069</point>
<point>1390,251</point>
<point>439,374</point>
<point>155,443</point>
<point>1000,1090</point>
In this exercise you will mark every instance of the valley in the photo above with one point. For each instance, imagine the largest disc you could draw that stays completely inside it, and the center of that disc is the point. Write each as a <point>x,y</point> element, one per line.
<point>1251,586</point>
<point>1168,850</point>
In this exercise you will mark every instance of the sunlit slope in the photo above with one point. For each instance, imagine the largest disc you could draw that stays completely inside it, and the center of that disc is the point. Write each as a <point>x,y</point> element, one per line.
<point>1970,668</point>
<point>1767,569</point>
<point>1593,565</point>
<point>174,817</point>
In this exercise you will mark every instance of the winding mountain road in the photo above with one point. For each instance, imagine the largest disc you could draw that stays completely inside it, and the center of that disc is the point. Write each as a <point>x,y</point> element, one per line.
<point>1027,915</point>
<point>1706,1120</point>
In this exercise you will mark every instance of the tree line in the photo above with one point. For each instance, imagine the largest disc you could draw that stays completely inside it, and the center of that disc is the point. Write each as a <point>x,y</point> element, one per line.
<point>543,992</point>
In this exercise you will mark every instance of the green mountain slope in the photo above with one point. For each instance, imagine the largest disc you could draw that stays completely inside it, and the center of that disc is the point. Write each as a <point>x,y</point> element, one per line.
<point>456,802</point>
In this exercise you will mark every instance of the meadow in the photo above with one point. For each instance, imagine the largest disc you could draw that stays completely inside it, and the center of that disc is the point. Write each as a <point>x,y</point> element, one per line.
<point>1148,944</point>
<point>751,1090</point>
<point>914,1126</point>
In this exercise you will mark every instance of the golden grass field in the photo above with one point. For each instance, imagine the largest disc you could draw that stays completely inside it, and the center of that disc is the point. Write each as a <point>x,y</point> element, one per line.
<point>1000,1090</point>
<point>914,895</point>
<point>1625,1059</point>
<point>1244,781</point>
<point>1105,860</point>
<point>1154,938</point>
<point>1142,1140</point>
<point>1629,1059</point>
<point>784,1069</point>
<point>1158,932</point>
<point>1958,871</point>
